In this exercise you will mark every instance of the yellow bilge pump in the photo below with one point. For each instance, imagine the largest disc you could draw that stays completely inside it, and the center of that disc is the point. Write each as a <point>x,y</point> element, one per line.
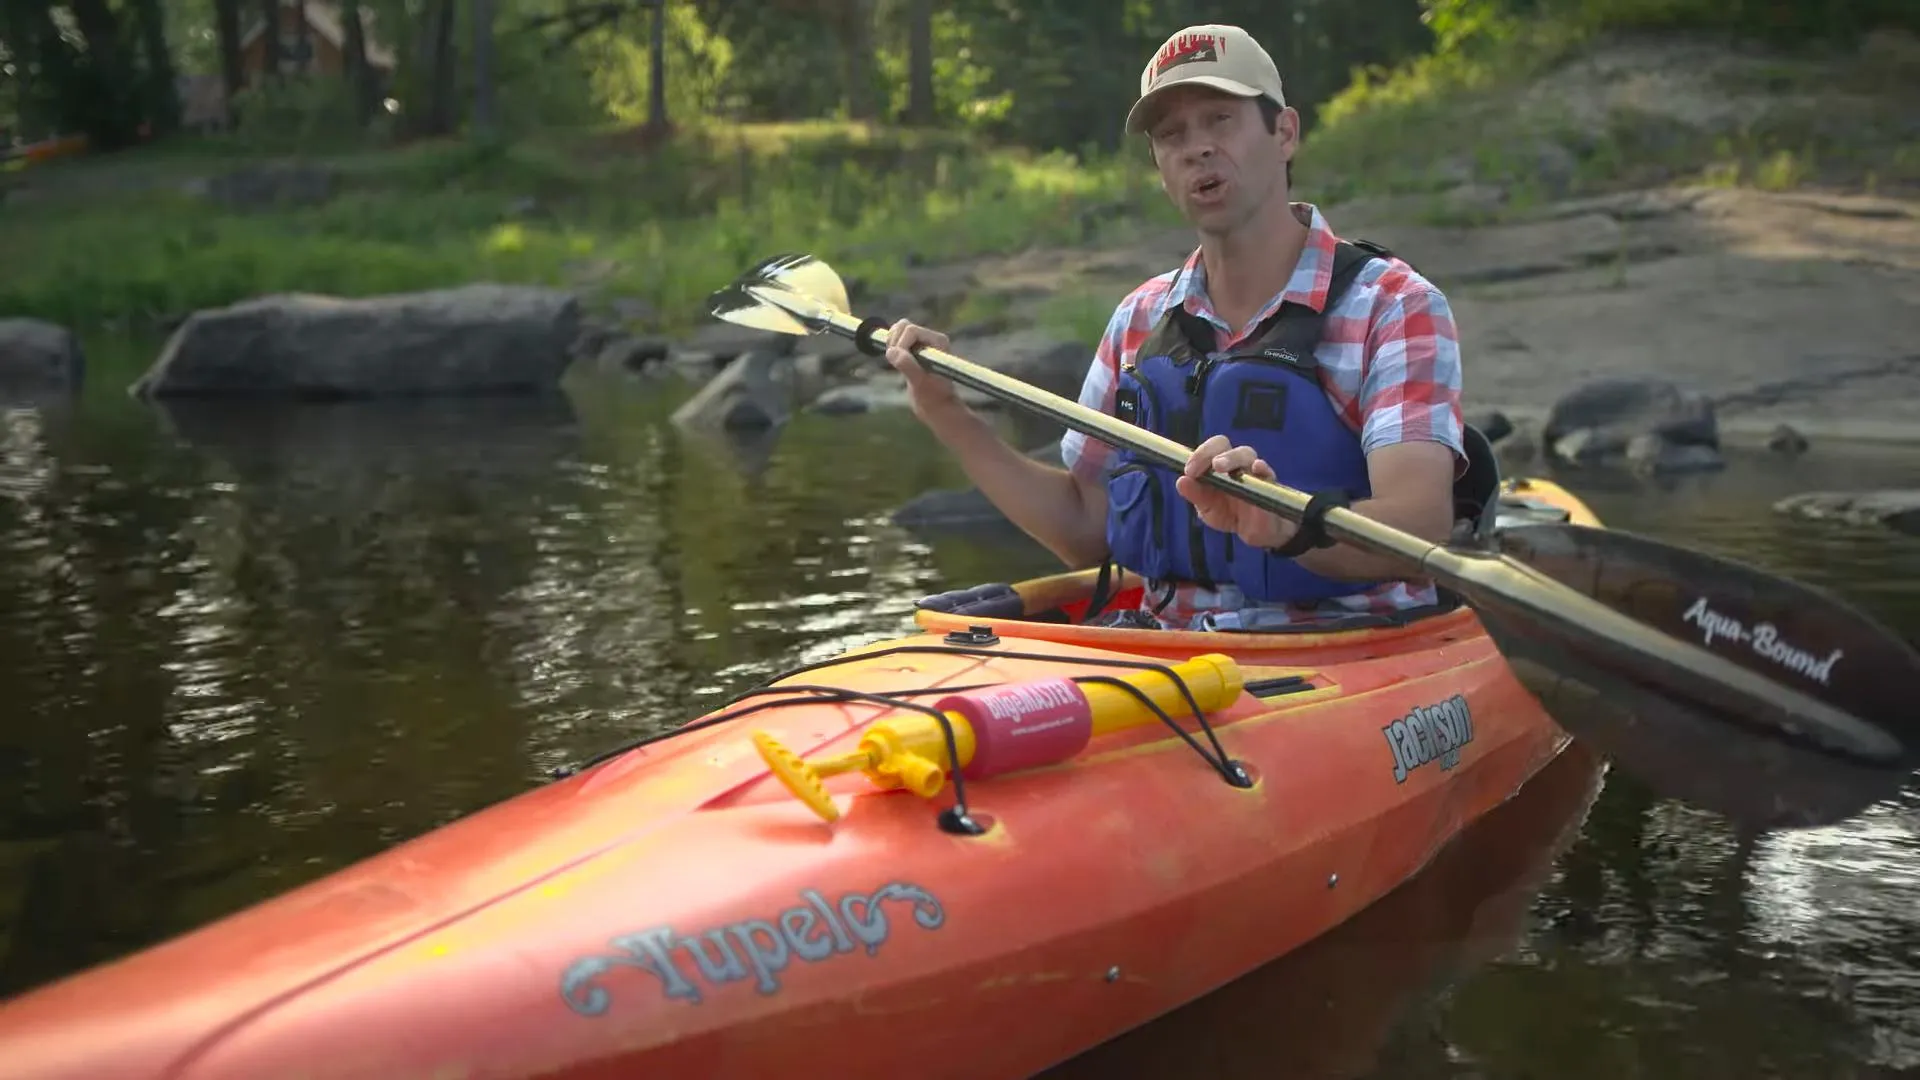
<point>998,729</point>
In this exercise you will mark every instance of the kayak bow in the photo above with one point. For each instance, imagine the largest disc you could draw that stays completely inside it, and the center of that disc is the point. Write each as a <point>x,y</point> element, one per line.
<point>776,881</point>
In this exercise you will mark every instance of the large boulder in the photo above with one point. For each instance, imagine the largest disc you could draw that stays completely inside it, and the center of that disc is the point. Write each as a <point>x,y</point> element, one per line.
<point>1033,356</point>
<point>38,359</point>
<point>962,510</point>
<point>753,393</point>
<point>1654,424</point>
<point>474,339</point>
<point>1893,508</point>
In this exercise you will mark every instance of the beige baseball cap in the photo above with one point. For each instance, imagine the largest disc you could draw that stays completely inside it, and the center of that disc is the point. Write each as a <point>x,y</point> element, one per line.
<point>1223,57</point>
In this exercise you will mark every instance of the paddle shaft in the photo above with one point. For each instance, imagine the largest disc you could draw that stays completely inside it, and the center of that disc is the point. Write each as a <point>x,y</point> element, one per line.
<point>1482,578</point>
<point>1340,522</point>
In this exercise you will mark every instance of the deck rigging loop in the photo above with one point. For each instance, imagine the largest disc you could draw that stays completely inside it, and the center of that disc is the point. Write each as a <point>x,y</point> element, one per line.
<point>957,818</point>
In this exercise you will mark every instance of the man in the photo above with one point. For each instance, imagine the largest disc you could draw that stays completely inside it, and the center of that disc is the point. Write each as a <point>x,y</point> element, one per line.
<point>1356,401</point>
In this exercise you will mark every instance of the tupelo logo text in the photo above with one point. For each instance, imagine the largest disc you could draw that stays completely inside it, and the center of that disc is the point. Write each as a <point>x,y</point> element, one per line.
<point>813,930</point>
<point>1429,733</point>
<point>1763,639</point>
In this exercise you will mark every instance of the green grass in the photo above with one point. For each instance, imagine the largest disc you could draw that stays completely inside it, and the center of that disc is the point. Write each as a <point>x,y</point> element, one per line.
<point>1480,111</point>
<point>663,226</point>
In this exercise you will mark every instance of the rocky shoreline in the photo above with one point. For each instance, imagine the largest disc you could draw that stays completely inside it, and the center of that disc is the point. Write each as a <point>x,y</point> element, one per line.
<point>1641,332</point>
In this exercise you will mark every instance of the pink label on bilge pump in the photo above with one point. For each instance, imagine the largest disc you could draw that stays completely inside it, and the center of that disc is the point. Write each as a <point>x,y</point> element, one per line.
<point>1023,724</point>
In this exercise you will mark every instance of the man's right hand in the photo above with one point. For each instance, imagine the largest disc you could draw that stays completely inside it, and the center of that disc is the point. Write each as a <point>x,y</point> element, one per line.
<point>930,396</point>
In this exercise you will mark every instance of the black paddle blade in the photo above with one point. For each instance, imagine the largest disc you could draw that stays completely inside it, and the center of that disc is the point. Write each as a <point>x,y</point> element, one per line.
<point>1755,759</point>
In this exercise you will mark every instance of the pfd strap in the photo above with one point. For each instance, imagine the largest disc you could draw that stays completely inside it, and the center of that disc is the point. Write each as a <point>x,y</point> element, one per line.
<point>1312,532</point>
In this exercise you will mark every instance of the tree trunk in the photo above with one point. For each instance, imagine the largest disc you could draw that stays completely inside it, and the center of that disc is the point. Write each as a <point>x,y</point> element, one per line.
<point>302,39</point>
<point>436,59</point>
<point>920,62</point>
<point>270,39</point>
<point>107,95</point>
<point>226,27</point>
<point>856,47</point>
<point>483,121</point>
<point>163,96</point>
<point>657,71</point>
<point>358,72</point>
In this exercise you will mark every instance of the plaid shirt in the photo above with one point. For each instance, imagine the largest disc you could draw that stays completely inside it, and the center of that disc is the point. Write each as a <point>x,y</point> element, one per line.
<point>1389,360</point>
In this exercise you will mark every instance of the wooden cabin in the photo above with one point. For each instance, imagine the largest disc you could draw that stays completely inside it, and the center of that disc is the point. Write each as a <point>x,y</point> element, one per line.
<point>313,40</point>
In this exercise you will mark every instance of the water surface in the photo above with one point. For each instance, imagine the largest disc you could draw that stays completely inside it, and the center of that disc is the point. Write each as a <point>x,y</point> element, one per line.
<point>241,647</point>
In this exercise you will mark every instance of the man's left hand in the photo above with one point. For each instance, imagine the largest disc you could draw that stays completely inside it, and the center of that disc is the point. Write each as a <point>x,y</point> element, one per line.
<point>1223,511</point>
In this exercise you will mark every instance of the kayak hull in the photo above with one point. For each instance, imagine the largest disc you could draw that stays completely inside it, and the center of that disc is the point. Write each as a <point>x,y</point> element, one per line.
<point>675,910</point>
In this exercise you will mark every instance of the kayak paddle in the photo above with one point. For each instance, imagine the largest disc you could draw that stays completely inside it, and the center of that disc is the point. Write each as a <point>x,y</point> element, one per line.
<point>1768,701</point>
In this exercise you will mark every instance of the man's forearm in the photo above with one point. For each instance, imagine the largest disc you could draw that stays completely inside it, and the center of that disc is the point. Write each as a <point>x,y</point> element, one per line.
<point>1044,501</point>
<point>1345,562</point>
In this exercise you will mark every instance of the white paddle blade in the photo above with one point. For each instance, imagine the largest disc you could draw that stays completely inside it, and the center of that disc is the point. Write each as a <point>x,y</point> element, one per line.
<point>809,277</point>
<point>787,294</point>
<point>748,310</point>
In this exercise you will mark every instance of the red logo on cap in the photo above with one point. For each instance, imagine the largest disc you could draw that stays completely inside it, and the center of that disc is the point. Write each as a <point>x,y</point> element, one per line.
<point>1187,49</point>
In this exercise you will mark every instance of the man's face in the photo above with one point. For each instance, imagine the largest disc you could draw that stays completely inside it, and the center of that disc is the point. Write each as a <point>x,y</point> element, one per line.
<point>1217,161</point>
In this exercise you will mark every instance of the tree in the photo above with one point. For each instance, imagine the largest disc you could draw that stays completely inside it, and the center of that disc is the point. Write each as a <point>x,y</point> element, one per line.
<point>920,62</point>
<point>483,115</point>
<point>358,72</point>
<point>226,28</point>
<point>657,71</point>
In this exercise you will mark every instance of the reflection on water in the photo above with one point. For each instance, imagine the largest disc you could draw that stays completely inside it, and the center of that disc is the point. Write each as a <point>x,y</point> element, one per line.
<point>242,646</point>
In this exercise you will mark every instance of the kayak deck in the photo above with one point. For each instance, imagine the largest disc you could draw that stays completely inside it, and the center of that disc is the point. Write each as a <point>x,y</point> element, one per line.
<point>674,908</point>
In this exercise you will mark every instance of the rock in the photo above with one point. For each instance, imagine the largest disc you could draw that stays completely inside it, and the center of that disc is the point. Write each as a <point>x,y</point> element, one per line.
<point>1475,199</point>
<point>695,365</point>
<point>1517,450</point>
<point>810,377</point>
<point>631,309</point>
<point>1893,508</point>
<point>1459,255</point>
<point>1033,356</point>
<point>1493,423</point>
<point>962,508</point>
<point>269,185</point>
<point>859,398</point>
<point>722,342</point>
<point>633,355</point>
<point>886,389</point>
<point>837,354</point>
<point>1452,171</point>
<point>1651,453</point>
<point>1600,419</point>
<point>1586,445</point>
<point>38,357</point>
<point>1785,440</point>
<point>475,339</point>
<point>753,393</point>
<point>1554,167</point>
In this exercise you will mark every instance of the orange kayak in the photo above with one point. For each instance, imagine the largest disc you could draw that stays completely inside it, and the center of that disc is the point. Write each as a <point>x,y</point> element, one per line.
<point>1149,815</point>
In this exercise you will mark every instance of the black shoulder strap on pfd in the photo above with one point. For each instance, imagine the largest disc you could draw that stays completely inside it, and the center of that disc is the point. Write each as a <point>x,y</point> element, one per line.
<point>1290,334</point>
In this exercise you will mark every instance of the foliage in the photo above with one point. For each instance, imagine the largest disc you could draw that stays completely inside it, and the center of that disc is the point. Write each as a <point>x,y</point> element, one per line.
<point>305,114</point>
<point>1482,105</point>
<point>620,68</point>
<point>1396,95</point>
<point>663,230</point>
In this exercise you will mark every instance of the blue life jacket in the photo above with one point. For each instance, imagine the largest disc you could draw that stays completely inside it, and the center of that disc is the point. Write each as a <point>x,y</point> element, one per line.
<point>1265,393</point>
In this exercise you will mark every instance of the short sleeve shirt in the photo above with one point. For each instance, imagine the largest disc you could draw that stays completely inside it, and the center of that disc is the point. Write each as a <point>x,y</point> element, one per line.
<point>1389,360</point>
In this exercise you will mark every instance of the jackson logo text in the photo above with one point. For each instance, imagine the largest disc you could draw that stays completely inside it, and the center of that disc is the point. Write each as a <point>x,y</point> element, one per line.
<point>1429,733</point>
